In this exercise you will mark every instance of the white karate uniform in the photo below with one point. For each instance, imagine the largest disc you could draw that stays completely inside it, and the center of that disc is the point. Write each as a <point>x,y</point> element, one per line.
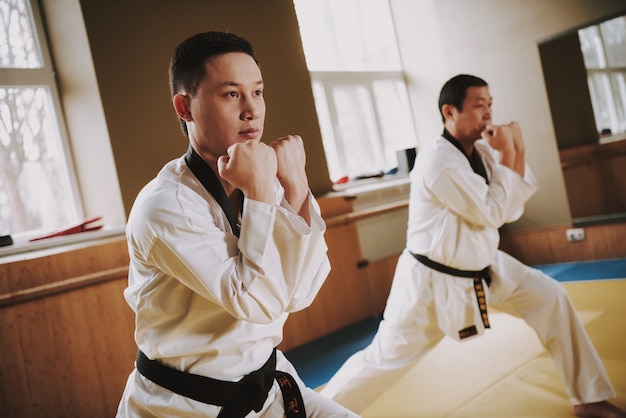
<point>454,216</point>
<point>209,303</point>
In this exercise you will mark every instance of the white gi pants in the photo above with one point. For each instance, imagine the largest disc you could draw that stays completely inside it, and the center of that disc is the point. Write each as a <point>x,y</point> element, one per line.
<point>410,329</point>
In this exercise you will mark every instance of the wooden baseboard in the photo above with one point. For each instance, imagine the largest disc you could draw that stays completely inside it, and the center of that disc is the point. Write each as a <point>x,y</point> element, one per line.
<point>550,245</point>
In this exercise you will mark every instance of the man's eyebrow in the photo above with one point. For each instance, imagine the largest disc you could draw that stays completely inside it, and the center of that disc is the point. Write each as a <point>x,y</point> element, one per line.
<point>236,84</point>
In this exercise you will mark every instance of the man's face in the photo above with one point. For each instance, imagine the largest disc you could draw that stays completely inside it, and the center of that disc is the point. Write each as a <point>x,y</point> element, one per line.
<point>475,114</point>
<point>228,106</point>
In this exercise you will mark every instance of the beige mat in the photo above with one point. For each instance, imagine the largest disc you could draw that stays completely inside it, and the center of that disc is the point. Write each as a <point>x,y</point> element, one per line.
<point>506,372</point>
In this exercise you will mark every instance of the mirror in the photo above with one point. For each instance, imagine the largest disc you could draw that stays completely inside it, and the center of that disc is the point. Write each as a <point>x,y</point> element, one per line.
<point>585,76</point>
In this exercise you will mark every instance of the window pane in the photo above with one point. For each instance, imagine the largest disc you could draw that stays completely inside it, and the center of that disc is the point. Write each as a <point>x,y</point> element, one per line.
<point>18,45</point>
<point>392,105</point>
<point>600,90</point>
<point>347,35</point>
<point>335,171</point>
<point>618,84</point>
<point>614,36</point>
<point>357,130</point>
<point>591,47</point>
<point>34,188</point>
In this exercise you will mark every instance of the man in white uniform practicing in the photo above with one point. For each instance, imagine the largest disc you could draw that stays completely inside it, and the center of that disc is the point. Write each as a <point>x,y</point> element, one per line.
<point>463,188</point>
<point>223,244</point>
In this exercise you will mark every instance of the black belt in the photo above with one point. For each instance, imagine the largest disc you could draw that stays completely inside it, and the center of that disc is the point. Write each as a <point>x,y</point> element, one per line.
<point>476,275</point>
<point>236,398</point>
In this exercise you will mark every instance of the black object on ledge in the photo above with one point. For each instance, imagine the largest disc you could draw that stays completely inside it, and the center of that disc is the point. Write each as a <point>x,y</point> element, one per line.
<point>6,240</point>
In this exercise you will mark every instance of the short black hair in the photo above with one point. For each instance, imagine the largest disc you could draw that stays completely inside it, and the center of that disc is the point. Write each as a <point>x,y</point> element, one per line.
<point>188,62</point>
<point>454,91</point>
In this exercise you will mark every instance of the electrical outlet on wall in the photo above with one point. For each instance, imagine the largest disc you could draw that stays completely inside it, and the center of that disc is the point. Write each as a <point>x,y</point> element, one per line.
<point>575,234</point>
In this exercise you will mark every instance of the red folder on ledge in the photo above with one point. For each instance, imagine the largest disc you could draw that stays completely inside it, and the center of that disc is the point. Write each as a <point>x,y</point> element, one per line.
<point>81,227</point>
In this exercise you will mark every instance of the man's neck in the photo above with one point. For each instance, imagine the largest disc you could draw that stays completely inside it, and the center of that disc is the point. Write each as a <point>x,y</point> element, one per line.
<point>467,144</point>
<point>472,156</point>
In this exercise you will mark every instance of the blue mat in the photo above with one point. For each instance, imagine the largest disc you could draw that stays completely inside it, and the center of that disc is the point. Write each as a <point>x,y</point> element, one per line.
<point>318,360</point>
<point>586,270</point>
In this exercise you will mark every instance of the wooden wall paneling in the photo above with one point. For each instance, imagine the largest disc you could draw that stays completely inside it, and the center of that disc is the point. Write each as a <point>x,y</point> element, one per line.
<point>595,178</point>
<point>66,332</point>
<point>534,248</point>
<point>23,295</point>
<point>349,295</point>
<point>27,274</point>
<point>335,205</point>
<point>549,245</point>
<point>379,278</point>
<point>302,327</point>
<point>343,299</point>
<point>67,354</point>
<point>585,190</point>
<point>604,242</point>
<point>12,373</point>
<point>355,288</point>
<point>36,270</point>
<point>615,183</point>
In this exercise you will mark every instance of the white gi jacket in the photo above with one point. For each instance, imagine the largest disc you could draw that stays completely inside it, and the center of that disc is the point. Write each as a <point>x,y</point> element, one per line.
<point>454,220</point>
<point>207,302</point>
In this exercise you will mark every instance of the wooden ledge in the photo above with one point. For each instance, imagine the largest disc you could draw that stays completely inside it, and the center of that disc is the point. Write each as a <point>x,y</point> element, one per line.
<point>26,295</point>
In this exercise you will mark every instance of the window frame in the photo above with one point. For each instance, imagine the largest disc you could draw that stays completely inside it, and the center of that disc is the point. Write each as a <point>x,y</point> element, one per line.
<point>609,71</point>
<point>359,83</point>
<point>46,77</point>
<point>366,79</point>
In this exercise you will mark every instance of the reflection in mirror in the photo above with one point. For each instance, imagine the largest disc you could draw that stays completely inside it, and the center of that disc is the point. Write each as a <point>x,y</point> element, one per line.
<point>604,51</point>
<point>585,76</point>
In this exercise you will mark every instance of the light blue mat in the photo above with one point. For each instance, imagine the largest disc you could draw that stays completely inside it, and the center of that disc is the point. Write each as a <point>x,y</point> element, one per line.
<point>586,270</point>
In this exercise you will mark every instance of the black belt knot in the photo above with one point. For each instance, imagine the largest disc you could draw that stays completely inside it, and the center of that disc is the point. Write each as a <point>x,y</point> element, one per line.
<point>477,275</point>
<point>237,399</point>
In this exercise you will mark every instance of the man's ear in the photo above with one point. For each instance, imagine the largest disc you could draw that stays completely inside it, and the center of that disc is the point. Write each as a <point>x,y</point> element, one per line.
<point>181,105</point>
<point>448,111</point>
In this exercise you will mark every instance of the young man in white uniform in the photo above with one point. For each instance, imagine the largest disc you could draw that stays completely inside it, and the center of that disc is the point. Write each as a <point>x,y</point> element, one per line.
<point>224,243</point>
<point>469,183</point>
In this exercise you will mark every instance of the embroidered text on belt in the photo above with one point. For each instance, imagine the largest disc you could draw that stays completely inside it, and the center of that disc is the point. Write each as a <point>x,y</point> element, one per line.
<point>477,276</point>
<point>236,398</point>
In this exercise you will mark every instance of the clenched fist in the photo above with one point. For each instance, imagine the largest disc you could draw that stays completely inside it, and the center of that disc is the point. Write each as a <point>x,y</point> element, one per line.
<point>250,166</point>
<point>291,172</point>
<point>291,158</point>
<point>500,137</point>
<point>508,140</point>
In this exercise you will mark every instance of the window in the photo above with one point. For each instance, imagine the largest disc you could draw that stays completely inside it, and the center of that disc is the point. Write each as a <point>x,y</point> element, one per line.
<point>604,51</point>
<point>37,184</point>
<point>358,85</point>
